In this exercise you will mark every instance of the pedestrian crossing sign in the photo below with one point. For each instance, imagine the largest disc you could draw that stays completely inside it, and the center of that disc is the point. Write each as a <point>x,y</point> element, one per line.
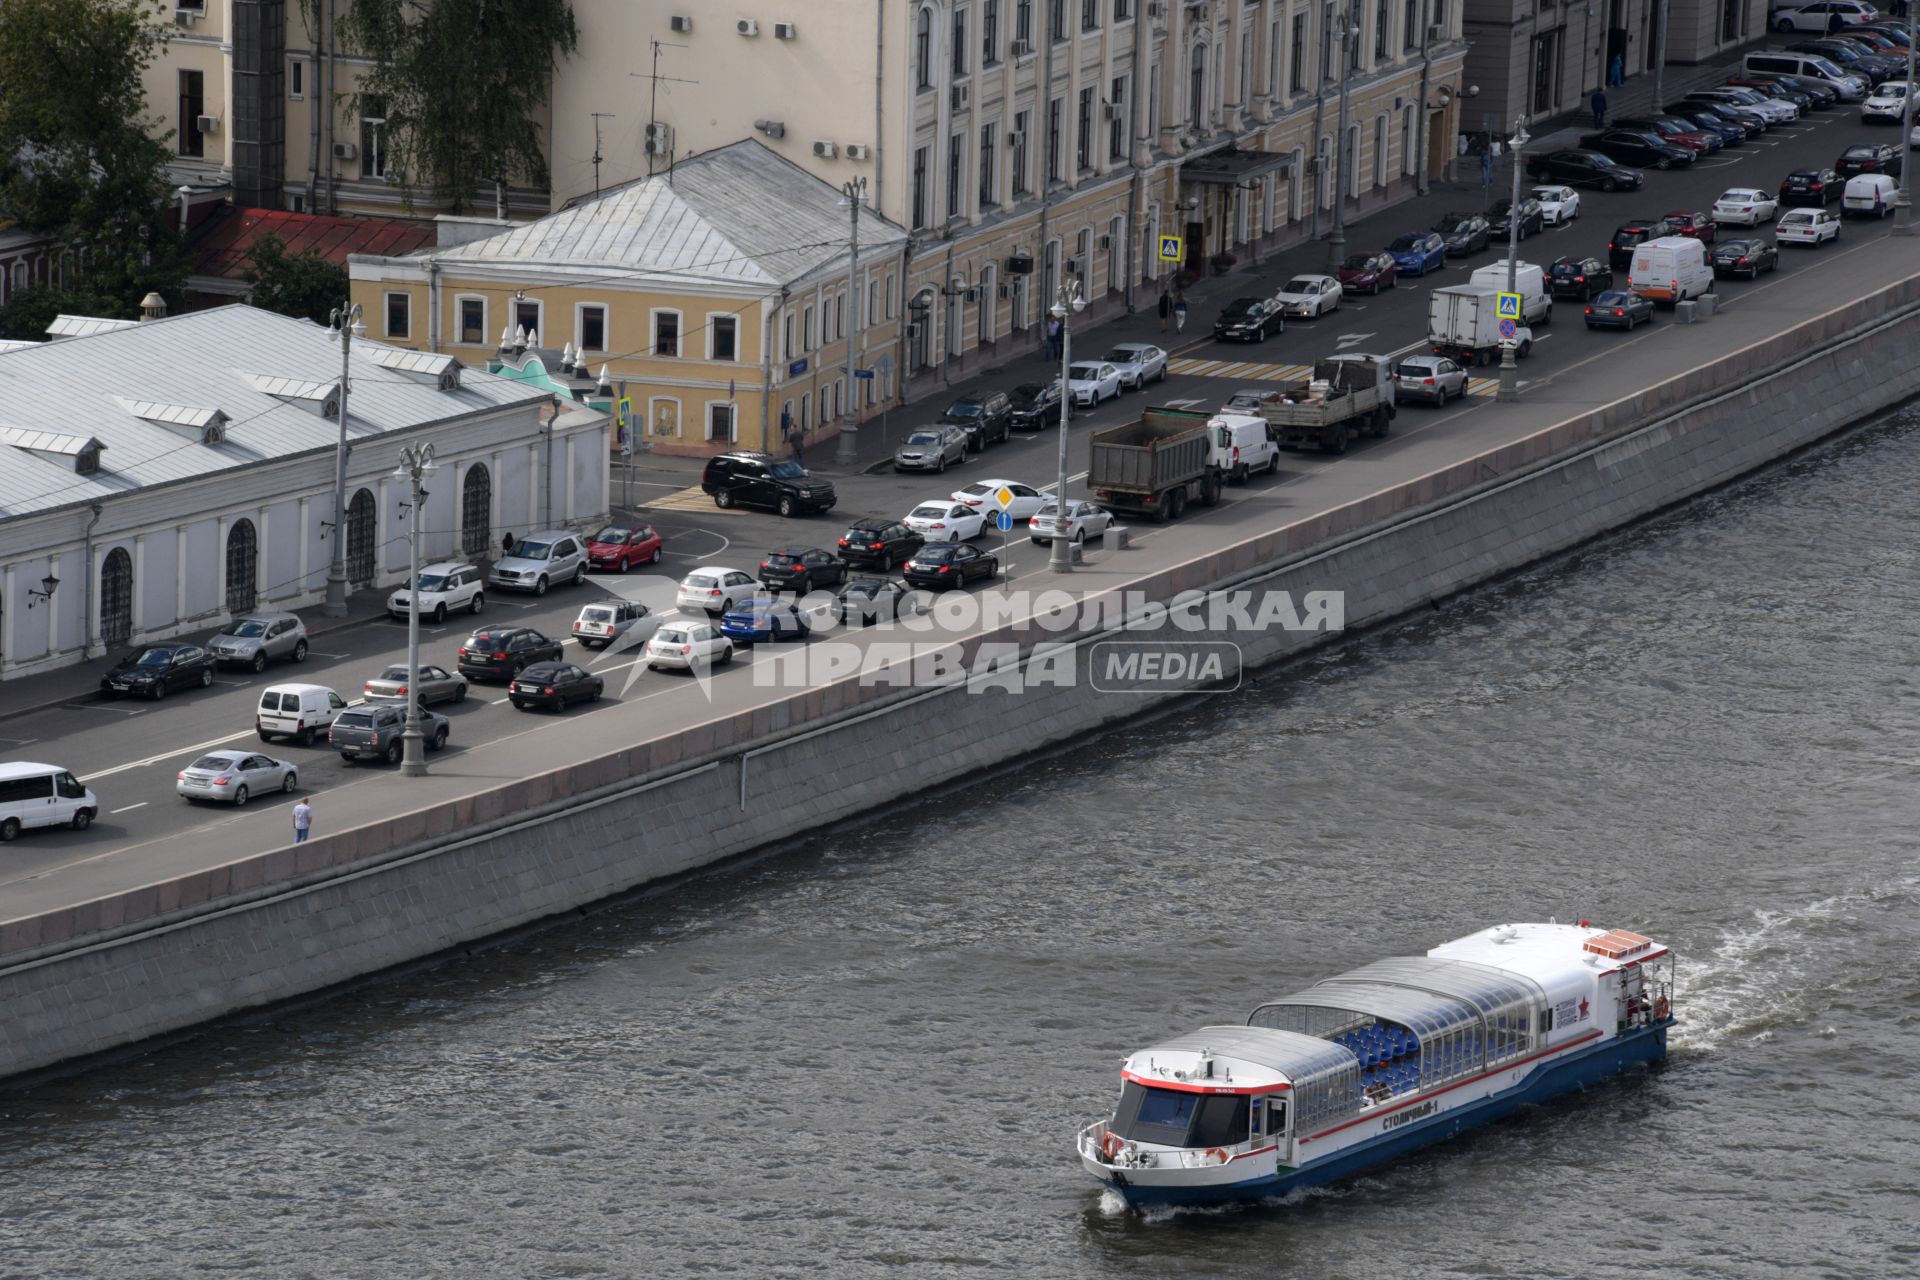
<point>1507,306</point>
<point>1170,249</point>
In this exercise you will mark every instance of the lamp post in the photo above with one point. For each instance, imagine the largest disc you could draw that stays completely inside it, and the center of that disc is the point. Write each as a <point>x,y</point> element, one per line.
<point>1337,240</point>
<point>1066,305</point>
<point>846,453</point>
<point>344,325</point>
<point>1903,201</point>
<point>416,463</point>
<point>1509,370</point>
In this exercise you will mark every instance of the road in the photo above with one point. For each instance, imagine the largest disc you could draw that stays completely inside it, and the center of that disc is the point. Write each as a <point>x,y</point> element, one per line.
<point>129,753</point>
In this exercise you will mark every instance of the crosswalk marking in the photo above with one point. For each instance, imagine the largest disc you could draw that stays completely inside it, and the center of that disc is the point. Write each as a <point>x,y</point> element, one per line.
<point>1247,369</point>
<point>691,499</point>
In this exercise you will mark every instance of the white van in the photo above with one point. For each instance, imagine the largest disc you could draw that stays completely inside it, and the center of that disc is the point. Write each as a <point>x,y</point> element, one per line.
<point>1529,281</point>
<point>1670,269</point>
<point>42,795</point>
<point>1851,88</point>
<point>1869,195</point>
<point>1241,446</point>
<point>302,712</point>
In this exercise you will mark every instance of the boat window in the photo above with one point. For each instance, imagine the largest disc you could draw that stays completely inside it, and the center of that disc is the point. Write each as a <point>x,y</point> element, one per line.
<point>1276,1116</point>
<point>1223,1121</point>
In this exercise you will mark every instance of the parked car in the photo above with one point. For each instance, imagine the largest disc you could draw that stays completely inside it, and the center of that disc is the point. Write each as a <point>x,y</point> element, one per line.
<point>879,544</point>
<point>1810,187</point>
<point>1869,157</point>
<point>868,600</point>
<point>1747,206</point>
<point>623,544</point>
<point>374,732</point>
<point>554,686</point>
<point>601,625</point>
<point>1533,217</point>
<point>1807,226</point>
<point>1869,195</point>
<point>986,417</point>
<point>1731,132</point>
<point>1559,204</point>
<point>254,639</point>
<point>1584,167</point>
<point>932,448</point>
<point>297,711</point>
<point>1630,236</point>
<point>444,587</point>
<point>497,653</point>
<point>941,567</point>
<point>1869,68</point>
<point>714,590</point>
<point>1035,405</point>
<point>1091,382</point>
<point>1139,363</point>
<point>157,670</point>
<point>1464,233</point>
<point>234,777</point>
<point>1419,253</point>
<point>1248,320</point>
<point>1578,279</point>
<point>1368,272</point>
<point>1694,224</point>
<point>43,795</point>
<point>769,621</point>
<point>1431,379</point>
<point>1311,296</point>
<point>437,684</point>
<point>1640,148</point>
<point>1745,256</point>
<point>1618,309</point>
<point>749,479</point>
<point>1885,105</point>
<point>1819,17</point>
<point>550,558</point>
<point>946,521</point>
<point>1082,521</point>
<point>687,646</point>
<point>1667,129</point>
<point>1806,92</point>
<point>801,569</point>
<point>1022,499</point>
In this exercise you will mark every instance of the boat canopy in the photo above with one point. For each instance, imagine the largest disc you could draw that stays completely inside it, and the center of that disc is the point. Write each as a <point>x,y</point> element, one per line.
<point>1325,1076</point>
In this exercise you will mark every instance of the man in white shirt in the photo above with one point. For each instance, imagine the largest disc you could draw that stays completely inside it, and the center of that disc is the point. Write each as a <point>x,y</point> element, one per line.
<point>302,820</point>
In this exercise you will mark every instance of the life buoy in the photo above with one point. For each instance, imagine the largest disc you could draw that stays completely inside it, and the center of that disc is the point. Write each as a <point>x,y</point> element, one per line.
<point>1218,1151</point>
<point>1660,1008</point>
<point>1110,1145</point>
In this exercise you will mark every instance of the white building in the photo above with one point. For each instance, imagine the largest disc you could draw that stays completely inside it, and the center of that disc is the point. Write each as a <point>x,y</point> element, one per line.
<point>161,476</point>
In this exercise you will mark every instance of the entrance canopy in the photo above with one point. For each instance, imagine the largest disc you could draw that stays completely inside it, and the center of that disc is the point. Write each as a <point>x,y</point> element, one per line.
<point>1230,167</point>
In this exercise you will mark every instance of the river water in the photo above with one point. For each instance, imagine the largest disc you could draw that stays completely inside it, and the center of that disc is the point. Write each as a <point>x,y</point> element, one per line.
<point>868,1056</point>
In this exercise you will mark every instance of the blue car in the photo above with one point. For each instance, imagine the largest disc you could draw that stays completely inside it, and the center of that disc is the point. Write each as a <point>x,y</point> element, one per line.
<point>770,620</point>
<point>1419,253</point>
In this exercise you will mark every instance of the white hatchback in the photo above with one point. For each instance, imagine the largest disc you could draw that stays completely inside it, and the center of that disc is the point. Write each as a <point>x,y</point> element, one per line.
<point>1807,226</point>
<point>1888,103</point>
<point>715,589</point>
<point>444,587</point>
<point>685,646</point>
<point>1745,206</point>
<point>1558,205</point>
<point>946,521</point>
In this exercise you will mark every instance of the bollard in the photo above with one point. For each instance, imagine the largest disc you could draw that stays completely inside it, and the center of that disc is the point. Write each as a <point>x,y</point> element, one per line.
<point>1683,313</point>
<point>1122,538</point>
<point>1708,304</point>
<point>1076,553</point>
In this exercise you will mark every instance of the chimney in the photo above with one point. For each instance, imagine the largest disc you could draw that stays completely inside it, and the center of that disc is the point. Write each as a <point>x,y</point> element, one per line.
<point>153,307</point>
<point>186,205</point>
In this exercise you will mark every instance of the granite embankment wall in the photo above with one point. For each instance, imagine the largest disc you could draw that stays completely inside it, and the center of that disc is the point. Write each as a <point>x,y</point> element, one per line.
<point>106,974</point>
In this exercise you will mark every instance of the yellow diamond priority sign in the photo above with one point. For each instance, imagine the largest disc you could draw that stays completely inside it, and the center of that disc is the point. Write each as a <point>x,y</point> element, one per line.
<point>1003,496</point>
<point>1507,306</point>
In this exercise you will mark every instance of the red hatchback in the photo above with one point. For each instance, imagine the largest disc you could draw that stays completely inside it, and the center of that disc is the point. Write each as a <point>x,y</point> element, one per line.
<point>621,546</point>
<point>1694,225</point>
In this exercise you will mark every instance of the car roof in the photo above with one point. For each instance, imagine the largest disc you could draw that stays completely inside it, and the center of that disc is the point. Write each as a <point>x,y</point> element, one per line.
<point>714,568</point>
<point>445,566</point>
<point>302,688</point>
<point>791,551</point>
<point>264,615</point>
<point>547,665</point>
<point>545,533</point>
<point>27,769</point>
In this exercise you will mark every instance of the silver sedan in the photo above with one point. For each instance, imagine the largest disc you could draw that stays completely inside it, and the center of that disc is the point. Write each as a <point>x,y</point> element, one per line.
<point>1139,363</point>
<point>437,684</point>
<point>233,776</point>
<point>1084,520</point>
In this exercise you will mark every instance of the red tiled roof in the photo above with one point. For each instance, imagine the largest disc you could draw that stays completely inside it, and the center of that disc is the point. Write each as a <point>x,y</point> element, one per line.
<point>221,249</point>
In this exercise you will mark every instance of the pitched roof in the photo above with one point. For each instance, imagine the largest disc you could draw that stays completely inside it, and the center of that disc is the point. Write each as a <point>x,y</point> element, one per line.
<point>738,215</point>
<point>220,249</point>
<point>271,377</point>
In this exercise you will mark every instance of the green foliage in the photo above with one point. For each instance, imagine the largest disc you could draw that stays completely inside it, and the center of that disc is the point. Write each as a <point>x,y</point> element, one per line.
<point>302,284</point>
<point>460,84</point>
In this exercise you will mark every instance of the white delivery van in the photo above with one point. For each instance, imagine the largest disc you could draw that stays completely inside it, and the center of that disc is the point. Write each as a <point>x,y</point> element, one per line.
<point>42,795</point>
<point>1241,446</point>
<point>1868,195</point>
<point>1529,281</point>
<point>1670,269</point>
<point>302,712</point>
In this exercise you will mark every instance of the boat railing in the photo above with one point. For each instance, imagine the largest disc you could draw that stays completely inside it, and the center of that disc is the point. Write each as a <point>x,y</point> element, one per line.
<point>1100,1143</point>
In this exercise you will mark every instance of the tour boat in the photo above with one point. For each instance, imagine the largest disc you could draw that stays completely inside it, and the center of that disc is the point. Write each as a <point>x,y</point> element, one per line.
<point>1389,1057</point>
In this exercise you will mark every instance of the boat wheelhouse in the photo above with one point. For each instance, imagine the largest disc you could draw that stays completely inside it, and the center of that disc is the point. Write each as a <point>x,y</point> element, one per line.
<point>1399,1053</point>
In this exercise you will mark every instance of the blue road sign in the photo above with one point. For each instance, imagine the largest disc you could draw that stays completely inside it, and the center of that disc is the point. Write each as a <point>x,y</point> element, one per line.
<point>1508,328</point>
<point>1004,520</point>
<point>863,374</point>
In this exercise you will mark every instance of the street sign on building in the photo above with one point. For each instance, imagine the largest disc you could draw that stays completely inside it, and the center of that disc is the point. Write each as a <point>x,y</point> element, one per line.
<point>1170,249</point>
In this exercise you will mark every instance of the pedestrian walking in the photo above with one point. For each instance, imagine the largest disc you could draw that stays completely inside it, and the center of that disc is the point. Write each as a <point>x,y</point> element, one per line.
<point>1166,309</point>
<point>1616,72</point>
<point>1486,168</point>
<point>799,456</point>
<point>302,820</point>
<point>1180,314</point>
<point>1054,345</point>
<point>1835,26</point>
<point>1599,109</point>
<point>786,423</point>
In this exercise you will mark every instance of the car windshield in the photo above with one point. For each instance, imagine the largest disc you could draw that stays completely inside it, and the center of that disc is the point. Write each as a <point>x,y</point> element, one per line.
<point>153,658</point>
<point>1612,298</point>
<point>701,582</point>
<point>245,628</point>
<point>667,636</point>
<point>1798,215</point>
<point>1860,153</point>
<point>612,535</point>
<point>432,582</point>
<point>929,513</point>
<point>597,615</point>
<point>526,549</point>
<point>1565,269</point>
<point>787,471</point>
<point>780,559</point>
<point>355,719</point>
<point>1120,355</point>
<point>1500,208</point>
<point>394,673</point>
<point>214,763</point>
<point>1406,244</point>
<point>1302,284</point>
<point>963,409</point>
<point>1084,372</point>
<point>1029,392</point>
<point>1239,307</point>
<point>934,555</point>
<point>1358,262</point>
<point>923,437</point>
<point>1411,370</point>
<point>1452,222</point>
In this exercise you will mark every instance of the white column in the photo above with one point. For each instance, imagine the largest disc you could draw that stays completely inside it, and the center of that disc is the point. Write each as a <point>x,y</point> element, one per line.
<point>565,446</point>
<point>179,574</point>
<point>496,477</point>
<point>90,625</point>
<point>221,530</point>
<point>53,613</point>
<point>384,518</point>
<point>8,608</point>
<point>139,584</point>
<point>306,543</point>
<point>534,480</point>
<point>263,574</point>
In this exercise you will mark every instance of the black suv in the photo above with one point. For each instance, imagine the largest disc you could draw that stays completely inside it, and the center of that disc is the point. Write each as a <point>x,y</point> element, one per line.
<point>879,544</point>
<point>801,569</point>
<point>761,480</point>
<point>499,653</point>
<point>1633,234</point>
<point>1035,405</point>
<point>1578,278</point>
<point>987,416</point>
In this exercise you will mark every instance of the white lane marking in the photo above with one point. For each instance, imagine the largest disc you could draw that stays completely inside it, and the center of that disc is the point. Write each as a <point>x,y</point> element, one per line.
<point>1181,404</point>
<point>1350,339</point>
<point>117,711</point>
<point>129,808</point>
<point>1048,488</point>
<point>164,755</point>
<point>333,656</point>
<point>492,702</point>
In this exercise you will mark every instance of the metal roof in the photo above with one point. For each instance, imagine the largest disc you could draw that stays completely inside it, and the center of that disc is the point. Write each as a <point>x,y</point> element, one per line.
<point>177,415</point>
<point>85,326</point>
<point>1423,994</point>
<point>221,244</point>
<point>405,361</point>
<point>14,344</point>
<point>1298,1057</point>
<point>46,441</point>
<point>737,215</point>
<point>217,359</point>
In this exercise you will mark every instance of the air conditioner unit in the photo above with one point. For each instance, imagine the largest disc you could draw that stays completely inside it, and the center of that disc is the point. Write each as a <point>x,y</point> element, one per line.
<point>784,31</point>
<point>1106,242</point>
<point>207,124</point>
<point>345,151</point>
<point>1436,32</point>
<point>962,94</point>
<point>1006,291</point>
<point>1021,48</point>
<point>1112,111</point>
<point>913,330</point>
<point>1155,9</point>
<point>681,22</point>
<point>973,294</point>
<point>747,27</point>
<point>858,151</point>
<point>825,150</point>
<point>185,17</point>
<point>659,138</point>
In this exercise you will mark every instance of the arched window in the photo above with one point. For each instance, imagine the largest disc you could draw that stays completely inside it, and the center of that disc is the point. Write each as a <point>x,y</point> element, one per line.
<point>1197,95</point>
<point>243,566</point>
<point>476,510</point>
<point>360,536</point>
<point>923,50</point>
<point>116,597</point>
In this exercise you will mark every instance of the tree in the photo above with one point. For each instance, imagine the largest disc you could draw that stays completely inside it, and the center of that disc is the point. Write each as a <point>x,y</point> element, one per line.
<point>301,284</point>
<point>459,84</point>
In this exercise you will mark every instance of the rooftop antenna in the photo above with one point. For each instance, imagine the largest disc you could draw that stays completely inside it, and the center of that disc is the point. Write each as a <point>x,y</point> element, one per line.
<point>653,99</point>
<point>598,116</point>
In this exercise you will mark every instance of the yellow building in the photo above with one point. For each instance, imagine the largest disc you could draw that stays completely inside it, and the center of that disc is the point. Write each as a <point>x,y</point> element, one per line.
<point>716,298</point>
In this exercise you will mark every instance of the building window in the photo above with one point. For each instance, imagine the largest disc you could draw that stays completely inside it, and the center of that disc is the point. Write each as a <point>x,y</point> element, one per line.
<point>399,311</point>
<point>989,176</point>
<point>1406,141</point>
<point>923,50</point>
<point>1054,110</point>
<point>959,42</point>
<point>1117,126</point>
<point>666,333</point>
<point>891,295</point>
<point>1022,123</point>
<point>1023,23</point>
<point>1153,100</point>
<point>297,78</point>
<point>1122,10</point>
<point>591,324</point>
<point>1297,75</point>
<point>806,330</point>
<point>723,338</point>
<point>1197,91</point>
<point>193,104</point>
<point>1057,19</point>
<point>1244,91</point>
<point>786,338</point>
<point>526,316</point>
<point>1382,23</point>
<point>919,187</point>
<point>1380,152</point>
<point>1326,41</point>
<point>989,33</point>
<point>1083,135</point>
<point>373,160</point>
<point>1412,37</point>
<point>719,421</point>
<point>1272,86</point>
<point>1440,15</point>
<point>956,173</point>
<point>473,321</point>
<point>1089,15</point>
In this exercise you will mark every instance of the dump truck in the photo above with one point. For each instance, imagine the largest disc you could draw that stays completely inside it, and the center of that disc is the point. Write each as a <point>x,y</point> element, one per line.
<point>1347,396</point>
<point>1154,467</point>
<point>1462,324</point>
